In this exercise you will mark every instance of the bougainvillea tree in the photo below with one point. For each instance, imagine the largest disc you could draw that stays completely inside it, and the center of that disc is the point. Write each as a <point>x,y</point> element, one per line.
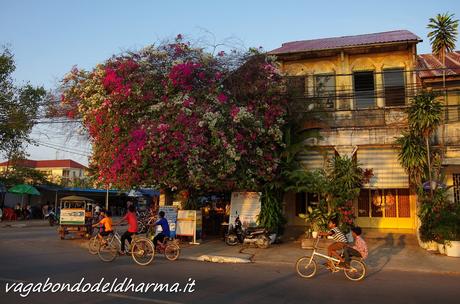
<point>178,117</point>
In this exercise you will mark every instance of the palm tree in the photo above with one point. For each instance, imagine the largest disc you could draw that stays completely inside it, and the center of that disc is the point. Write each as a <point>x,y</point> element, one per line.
<point>443,37</point>
<point>424,117</point>
<point>412,156</point>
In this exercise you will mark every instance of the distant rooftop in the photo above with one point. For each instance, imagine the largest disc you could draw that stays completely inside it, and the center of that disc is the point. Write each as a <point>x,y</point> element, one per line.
<point>346,41</point>
<point>431,66</point>
<point>57,163</point>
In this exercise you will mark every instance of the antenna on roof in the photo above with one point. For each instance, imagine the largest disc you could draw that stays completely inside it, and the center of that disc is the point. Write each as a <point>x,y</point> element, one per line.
<point>57,154</point>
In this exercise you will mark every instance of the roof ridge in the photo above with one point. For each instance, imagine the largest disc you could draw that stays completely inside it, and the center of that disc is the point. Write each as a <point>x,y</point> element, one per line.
<point>348,36</point>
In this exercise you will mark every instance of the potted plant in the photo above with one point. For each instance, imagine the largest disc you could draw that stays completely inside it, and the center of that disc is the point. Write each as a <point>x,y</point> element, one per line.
<point>316,219</point>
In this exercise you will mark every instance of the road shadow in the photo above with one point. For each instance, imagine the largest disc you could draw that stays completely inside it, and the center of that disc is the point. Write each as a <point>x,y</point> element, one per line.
<point>387,247</point>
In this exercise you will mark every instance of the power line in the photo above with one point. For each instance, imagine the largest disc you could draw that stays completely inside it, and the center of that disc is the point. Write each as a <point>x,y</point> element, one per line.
<point>62,149</point>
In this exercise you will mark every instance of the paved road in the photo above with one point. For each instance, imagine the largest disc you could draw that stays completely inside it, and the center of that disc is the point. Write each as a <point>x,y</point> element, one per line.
<point>34,254</point>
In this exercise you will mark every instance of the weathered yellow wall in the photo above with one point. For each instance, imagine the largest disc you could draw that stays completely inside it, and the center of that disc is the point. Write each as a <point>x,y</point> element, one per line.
<point>347,64</point>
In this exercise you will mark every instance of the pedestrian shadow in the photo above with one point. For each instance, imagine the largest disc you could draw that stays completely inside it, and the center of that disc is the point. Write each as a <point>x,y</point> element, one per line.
<point>381,255</point>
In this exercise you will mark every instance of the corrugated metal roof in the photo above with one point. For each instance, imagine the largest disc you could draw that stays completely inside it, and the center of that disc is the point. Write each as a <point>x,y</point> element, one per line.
<point>58,163</point>
<point>430,65</point>
<point>346,41</point>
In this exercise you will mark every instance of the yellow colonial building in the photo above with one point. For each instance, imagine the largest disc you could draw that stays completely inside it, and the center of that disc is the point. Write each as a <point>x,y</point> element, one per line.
<point>63,171</point>
<point>357,88</point>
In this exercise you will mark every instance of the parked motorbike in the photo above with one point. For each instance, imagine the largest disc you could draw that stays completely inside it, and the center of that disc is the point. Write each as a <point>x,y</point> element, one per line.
<point>52,218</point>
<point>257,236</point>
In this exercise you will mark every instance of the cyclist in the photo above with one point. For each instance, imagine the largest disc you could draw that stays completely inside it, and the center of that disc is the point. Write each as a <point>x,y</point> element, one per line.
<point>106,221</point>
<point>131,218</point>
<point>163,222</point>
<point>340,241</point>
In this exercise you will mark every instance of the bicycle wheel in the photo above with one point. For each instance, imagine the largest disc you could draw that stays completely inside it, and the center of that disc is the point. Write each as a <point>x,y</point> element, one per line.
<point>306,267</point>
<point>93,245</point>
<point>172,252</point>
<point>142,251</point>
<point>109,251</point>
<point>357,270</point>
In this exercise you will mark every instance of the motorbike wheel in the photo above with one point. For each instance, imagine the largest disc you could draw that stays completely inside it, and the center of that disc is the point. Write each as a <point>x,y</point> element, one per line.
<point>263,241</point>
<point>231,240</point>
<point>305,267</point>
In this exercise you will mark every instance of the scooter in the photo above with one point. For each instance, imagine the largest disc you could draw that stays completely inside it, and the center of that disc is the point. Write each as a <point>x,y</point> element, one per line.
<point>257,236</point>
<point>52,218</point>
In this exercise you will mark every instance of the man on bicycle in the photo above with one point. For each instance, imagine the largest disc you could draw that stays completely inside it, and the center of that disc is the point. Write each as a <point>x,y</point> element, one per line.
<point>163,222</point>
<point>131,218</point>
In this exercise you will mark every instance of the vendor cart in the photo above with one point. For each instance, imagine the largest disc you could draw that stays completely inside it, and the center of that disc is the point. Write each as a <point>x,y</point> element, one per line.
<point>76,216</point>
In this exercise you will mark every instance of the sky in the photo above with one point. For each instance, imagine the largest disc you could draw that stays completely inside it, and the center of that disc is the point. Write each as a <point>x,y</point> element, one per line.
<point>48,37</point>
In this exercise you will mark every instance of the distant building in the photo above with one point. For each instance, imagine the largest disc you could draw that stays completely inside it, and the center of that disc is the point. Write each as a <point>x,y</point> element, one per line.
<point>63,171</point>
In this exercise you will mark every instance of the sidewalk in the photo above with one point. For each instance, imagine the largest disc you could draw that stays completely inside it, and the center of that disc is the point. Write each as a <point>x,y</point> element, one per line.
<point>387,251</point>
<point>25,223</point>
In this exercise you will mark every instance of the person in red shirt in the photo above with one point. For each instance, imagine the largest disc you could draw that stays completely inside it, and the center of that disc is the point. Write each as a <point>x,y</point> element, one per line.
<point>131,218</point>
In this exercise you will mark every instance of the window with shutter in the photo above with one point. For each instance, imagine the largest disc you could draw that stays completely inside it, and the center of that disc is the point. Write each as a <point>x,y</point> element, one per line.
<point>364,89</point>
<point>395,92</point>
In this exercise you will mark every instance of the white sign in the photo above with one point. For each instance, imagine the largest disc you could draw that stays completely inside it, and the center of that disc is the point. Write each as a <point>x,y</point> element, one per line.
<point>185,222</point>
<point>247,206</point>
<point>72,217</point>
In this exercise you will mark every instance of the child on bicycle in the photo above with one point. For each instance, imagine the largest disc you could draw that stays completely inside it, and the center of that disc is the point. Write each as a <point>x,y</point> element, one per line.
<point>340,241</point>
<point>106,222</point>
<point>359,248</point>
<point>131,218</point>
<point>163,222</point>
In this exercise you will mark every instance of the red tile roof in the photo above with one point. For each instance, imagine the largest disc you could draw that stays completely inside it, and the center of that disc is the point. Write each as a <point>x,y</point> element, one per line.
<point>431,66</point>
<point>58,163</point>
<point>346,41</point>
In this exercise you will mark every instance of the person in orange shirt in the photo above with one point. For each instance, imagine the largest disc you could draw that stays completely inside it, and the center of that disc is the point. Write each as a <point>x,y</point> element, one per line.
<point>106,222</point>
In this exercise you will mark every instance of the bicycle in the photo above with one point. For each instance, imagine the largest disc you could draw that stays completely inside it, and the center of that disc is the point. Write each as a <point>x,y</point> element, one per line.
<point>141,249</point>
<point>306,266</point>
<point>170,249</point>
<point>93,244</point>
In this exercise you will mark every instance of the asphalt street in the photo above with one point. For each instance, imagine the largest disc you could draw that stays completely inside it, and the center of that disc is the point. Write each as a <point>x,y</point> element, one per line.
<point>34,254</point>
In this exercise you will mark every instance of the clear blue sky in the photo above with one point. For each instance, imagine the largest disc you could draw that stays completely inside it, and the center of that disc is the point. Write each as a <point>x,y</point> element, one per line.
<point>48,37</point>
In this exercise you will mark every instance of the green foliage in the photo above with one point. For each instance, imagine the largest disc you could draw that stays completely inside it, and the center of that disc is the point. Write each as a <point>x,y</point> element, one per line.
<point>424,113</point>
<point>271,213</point>
<point>23,175</point>
<point>412,156</point>
<point>18,108</point>
<point>444,33</point>
<point>440,217</point>
<point>337,187</point>
<point>318,218</point>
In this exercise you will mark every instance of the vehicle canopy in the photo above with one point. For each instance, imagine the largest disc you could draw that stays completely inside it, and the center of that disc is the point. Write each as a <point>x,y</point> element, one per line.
<point>76,202</point>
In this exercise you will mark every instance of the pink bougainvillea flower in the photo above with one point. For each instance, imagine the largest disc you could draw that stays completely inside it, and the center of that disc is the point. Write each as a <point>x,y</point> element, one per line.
<point>222,98</point>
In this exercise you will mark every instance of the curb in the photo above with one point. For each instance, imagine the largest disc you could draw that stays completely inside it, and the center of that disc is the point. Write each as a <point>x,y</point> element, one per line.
<point>217,259</point>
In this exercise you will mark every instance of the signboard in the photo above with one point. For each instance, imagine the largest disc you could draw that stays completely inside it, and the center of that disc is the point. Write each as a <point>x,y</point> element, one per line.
<point>247,206</point>
<point>189,223</point>
<point>72,217</point>
<point>186,222</point>
<point>171,216</point>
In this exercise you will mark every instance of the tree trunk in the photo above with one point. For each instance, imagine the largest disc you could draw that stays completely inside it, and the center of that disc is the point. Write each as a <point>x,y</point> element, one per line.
<point>427,141</point>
